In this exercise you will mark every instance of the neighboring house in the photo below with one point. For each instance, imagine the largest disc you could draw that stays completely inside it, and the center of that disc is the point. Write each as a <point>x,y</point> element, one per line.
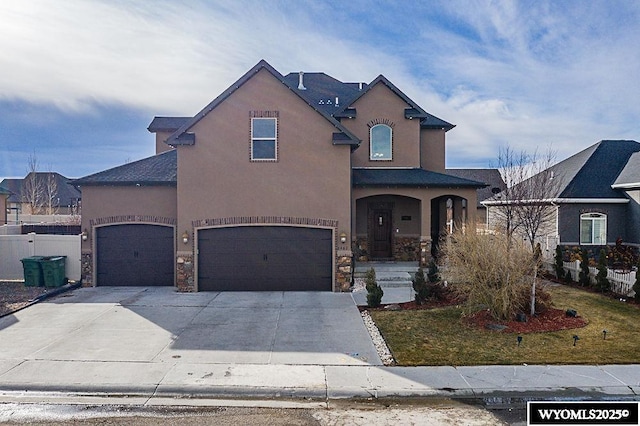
<point>50,193</point>
<point>597,198</point>
<point>494,182</point>
<point>272,185</point>
<point>4,194</point>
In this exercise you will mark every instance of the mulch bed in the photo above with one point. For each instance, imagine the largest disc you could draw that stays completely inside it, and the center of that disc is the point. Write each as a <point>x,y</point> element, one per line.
<point>16,295</point>
<point>550,320</point>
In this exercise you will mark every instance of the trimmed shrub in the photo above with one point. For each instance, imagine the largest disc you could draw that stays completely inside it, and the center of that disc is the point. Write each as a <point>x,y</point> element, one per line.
<point>584,278</point>
<point>420,287</point>
<point>374,291</point>
<point>559,263</point>
<point>602,283</point>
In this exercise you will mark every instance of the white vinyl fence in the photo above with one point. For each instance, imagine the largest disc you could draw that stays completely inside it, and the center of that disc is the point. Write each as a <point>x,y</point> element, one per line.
<point>16,247</point>
<point>621,281</point>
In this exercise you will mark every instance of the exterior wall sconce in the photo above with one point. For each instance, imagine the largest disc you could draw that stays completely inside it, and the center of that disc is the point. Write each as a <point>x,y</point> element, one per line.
<point>84,235</point>
<point>185,237</point>
<point>343,237</point>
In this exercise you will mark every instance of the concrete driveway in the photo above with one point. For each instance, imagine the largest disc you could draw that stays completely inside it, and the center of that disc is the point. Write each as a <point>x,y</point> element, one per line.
<point>158,325</point>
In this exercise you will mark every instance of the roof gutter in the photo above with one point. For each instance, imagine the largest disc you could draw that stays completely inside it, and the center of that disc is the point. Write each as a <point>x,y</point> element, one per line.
<point>557,201</point>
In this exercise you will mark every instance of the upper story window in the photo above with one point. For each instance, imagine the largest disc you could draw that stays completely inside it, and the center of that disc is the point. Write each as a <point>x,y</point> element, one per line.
<point>264,139</point>
<point>593,229</point>
<point>380,142</point>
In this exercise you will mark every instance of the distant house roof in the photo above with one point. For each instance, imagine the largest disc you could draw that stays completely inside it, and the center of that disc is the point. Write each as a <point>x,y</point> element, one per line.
<point>160,169</point>
<point>182,135</point>
<point>591,172</point>
<point>410,177</point>
<point>630,176</point>
<point>167,124</point>
<point>491,177</point>
<point>66,194</point>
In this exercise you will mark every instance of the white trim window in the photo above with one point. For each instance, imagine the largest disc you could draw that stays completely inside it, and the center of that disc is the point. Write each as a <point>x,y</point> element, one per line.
<point>264,139</point>
<point>593,229</point>
<point>380,143</point>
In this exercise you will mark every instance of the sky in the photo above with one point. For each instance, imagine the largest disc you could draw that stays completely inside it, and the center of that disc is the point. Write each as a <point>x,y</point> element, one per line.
<point>80,80</point>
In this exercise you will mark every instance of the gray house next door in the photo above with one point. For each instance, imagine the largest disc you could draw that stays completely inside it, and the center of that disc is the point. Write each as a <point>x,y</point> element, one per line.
<point>265,258</point>
<point>134,255</point>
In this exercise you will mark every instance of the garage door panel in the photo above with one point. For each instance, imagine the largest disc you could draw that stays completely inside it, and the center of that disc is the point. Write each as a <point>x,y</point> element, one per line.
<point>134,255</point>
<point>268,258</point>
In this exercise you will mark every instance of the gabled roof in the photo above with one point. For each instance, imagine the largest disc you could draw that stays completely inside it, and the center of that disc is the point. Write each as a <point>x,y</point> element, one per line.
<point>161,169</point>
<point>491,177</point>
<point>413,111</point>
<point>180,137</point>
<point>591,172</point>
<point>167,124</point>
<point>410,177</point>
<point>629,178</point>
<point>66,194</point>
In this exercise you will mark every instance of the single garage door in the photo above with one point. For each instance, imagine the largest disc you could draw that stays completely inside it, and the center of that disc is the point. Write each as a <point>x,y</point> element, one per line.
<point>134,255</point>
<point>265,258</point>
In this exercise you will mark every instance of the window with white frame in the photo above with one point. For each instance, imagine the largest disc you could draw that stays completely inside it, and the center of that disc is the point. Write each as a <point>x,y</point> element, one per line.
<point>264,139</point>
<point>593,229</point>
<point>380,142</point>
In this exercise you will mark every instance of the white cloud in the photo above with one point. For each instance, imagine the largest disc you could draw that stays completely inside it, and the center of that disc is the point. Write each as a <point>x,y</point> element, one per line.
<point>525,74</point>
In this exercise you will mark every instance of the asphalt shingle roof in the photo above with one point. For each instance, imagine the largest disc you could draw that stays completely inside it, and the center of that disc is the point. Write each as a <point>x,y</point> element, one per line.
<point>590,173</point>
<point>161,169</point>
<point>489,176</point>
<point>167,124</point>
<point>630,175</point>
<point>410,177</point>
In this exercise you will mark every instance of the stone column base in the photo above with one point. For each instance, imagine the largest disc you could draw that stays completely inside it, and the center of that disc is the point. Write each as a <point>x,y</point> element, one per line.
<point>344,272</point>
<point>184,273</point>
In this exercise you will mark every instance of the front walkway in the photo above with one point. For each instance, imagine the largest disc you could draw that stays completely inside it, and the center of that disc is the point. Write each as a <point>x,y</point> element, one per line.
<point>394,278</point>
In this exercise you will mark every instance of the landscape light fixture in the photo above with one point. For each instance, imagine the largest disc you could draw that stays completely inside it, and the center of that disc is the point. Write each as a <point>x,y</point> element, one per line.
<point>575,339</point>
<point>519,340</point>
<point>604,334</point>
<point>185,237</point>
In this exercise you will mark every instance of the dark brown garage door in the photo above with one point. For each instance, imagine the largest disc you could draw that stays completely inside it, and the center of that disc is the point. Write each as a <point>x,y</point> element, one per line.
<point>265,258</point>
<point>134,255</point>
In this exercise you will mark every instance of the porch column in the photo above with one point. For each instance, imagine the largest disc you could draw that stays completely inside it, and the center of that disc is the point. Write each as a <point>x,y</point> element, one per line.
<point>425,231</point>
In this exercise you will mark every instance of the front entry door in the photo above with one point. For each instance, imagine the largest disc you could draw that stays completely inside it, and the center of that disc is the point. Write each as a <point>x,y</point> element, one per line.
<point>380,233</point>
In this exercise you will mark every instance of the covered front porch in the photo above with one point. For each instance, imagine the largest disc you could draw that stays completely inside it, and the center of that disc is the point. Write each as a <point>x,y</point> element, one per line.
<point>405,225</point>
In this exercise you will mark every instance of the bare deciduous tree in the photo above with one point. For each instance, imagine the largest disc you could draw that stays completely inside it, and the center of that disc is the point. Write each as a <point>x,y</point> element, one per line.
<point>51,201</point>
<point>32,188</point>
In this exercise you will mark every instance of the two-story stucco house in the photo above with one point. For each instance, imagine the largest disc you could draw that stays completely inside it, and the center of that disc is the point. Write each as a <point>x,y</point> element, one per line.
<point>273,186</point>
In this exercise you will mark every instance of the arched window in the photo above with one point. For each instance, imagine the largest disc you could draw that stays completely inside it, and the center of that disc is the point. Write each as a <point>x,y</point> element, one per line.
<point>593,229</point>
<point>380,137</point>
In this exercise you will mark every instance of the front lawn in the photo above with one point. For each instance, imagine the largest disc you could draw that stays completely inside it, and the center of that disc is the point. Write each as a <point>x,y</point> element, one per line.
<point>440,337</point>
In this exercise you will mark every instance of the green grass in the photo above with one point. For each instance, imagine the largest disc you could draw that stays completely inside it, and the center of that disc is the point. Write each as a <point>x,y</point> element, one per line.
<point>439,336</point>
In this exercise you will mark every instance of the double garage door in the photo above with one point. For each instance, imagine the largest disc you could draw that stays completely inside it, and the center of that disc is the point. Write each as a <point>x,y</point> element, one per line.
<point>134,255</point>
<point>265,258</point>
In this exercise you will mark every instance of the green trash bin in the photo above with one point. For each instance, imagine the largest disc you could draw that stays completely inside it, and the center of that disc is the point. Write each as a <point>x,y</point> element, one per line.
<point>53,271</point>
<point>33,276</point>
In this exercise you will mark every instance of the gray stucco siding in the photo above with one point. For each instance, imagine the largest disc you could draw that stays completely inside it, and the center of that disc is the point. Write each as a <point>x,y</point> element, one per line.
<point>617,221</point>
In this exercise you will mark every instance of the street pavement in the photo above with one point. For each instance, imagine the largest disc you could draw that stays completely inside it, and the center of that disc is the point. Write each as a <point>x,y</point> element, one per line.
<point>154,346</point>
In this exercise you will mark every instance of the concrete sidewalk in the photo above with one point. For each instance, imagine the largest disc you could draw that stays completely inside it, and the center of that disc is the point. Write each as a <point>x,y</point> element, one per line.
<point>161,383</point>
